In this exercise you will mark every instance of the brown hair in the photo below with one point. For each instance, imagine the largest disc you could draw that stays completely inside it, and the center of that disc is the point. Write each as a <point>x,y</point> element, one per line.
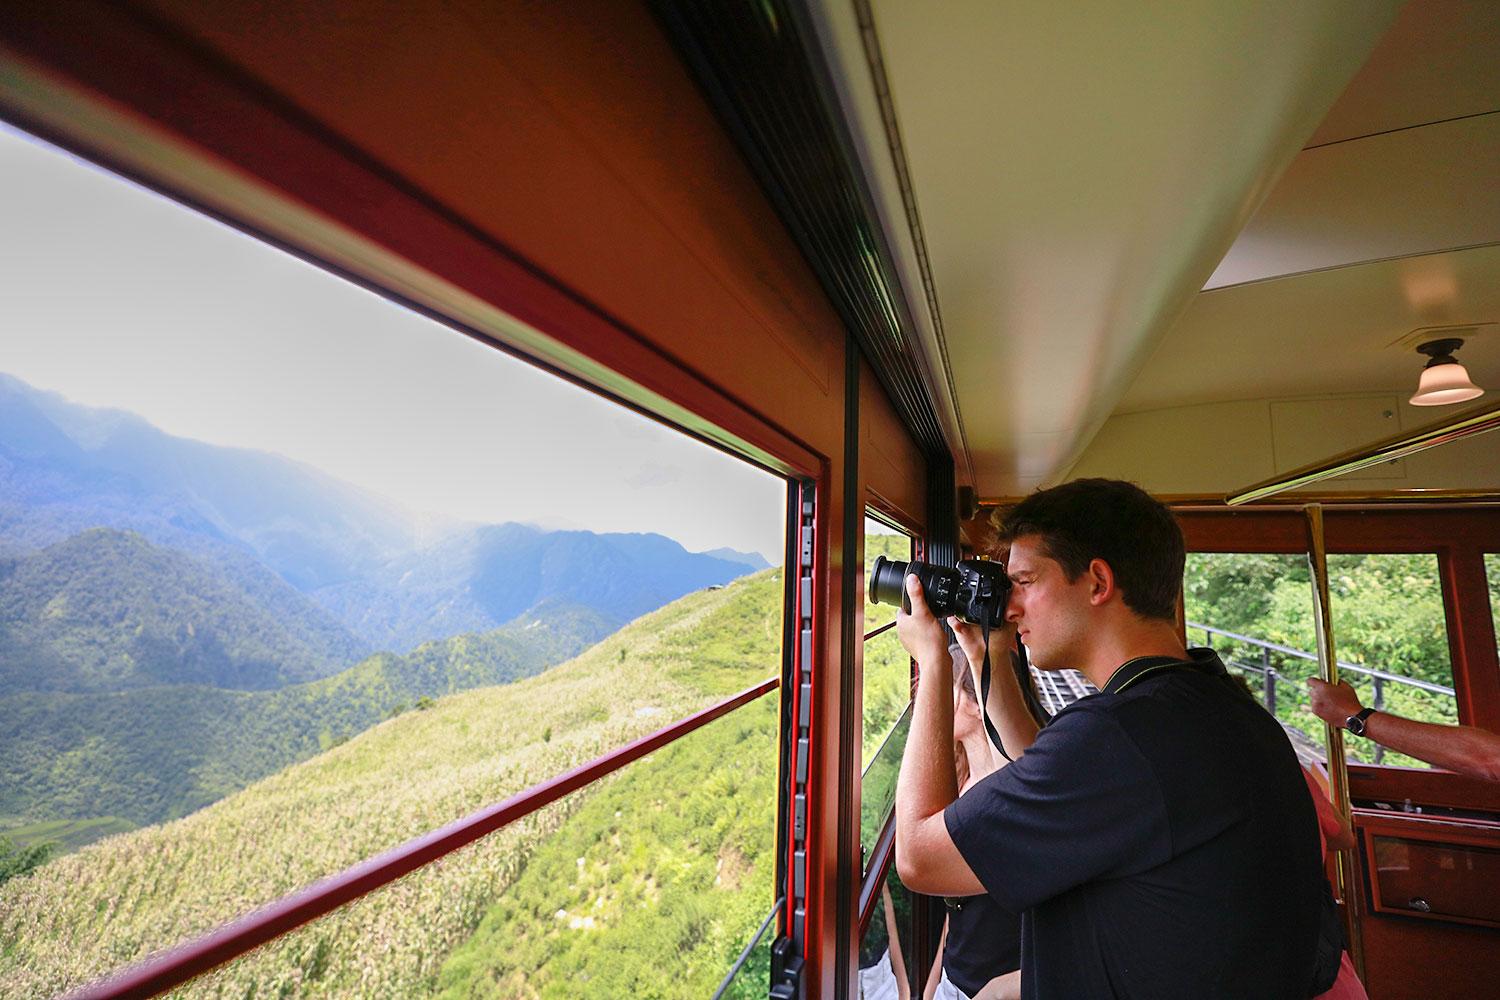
<point>1118,522</point>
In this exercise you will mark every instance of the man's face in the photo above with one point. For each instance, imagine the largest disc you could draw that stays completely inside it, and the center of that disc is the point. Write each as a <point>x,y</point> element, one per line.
<point>1051,614</point>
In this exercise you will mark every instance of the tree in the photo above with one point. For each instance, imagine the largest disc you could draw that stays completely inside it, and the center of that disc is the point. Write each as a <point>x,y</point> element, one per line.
<point>16,861</point>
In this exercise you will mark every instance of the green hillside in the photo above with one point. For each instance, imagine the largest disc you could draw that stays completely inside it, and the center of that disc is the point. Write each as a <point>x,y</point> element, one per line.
<point>703,806</point>
<point>154,754</point>
<point>107,610</point>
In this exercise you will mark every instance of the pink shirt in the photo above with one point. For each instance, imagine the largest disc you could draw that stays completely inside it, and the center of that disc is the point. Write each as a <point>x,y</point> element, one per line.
<point>1347,986</point>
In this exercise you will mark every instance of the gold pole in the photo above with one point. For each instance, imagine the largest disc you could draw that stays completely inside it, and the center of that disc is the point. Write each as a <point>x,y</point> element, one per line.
<point>1338,768</point>
<point>1477,420</point>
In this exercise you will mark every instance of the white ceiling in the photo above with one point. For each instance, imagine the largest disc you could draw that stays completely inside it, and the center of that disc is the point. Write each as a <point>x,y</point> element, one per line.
<point>1081,172</point>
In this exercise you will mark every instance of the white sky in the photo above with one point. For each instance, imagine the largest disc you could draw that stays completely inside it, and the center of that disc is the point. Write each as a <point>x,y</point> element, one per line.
<point>114,296</point>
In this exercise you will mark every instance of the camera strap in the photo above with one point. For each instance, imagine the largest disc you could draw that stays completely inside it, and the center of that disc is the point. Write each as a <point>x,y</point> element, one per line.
<point>984,694</point>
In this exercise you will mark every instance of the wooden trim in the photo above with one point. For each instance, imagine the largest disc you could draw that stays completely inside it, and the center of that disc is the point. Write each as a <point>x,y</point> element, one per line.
<point>1427,831</point>
<point>175,117</point>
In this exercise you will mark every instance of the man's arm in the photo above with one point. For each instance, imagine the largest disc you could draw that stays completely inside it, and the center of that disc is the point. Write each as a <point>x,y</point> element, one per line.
<point>1006,706</point>
<point>1465,749</point>
<point>926,857</point>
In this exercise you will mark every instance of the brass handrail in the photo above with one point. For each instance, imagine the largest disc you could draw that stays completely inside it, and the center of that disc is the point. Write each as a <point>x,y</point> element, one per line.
<point>1338,767</point>
<point>1477,420</point>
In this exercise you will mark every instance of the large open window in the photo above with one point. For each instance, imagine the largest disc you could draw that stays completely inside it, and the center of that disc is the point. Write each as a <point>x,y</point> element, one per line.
<point>291,575</point>
<point>1390,635</point>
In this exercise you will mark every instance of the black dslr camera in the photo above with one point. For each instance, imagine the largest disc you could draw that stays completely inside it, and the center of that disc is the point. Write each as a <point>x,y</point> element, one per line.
<point>974,590</point>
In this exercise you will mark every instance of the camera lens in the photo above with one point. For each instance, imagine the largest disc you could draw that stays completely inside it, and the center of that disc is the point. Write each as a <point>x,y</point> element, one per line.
<point>888,582</point>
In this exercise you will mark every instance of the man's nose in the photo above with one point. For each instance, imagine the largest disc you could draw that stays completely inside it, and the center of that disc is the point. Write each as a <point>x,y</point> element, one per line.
<point>1013,605</point>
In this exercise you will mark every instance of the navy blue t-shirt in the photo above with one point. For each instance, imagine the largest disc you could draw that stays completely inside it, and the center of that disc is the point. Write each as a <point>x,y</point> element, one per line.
<point>1159,840</point>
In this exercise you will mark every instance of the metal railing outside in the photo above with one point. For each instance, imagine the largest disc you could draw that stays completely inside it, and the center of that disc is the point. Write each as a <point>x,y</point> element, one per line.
<point>162,972</point>
<point>1273,680</point>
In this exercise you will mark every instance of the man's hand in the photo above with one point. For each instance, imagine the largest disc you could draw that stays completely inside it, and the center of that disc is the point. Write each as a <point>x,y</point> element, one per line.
<point>1333,703</point>
<point>971,638</point>
<point>919,632</point>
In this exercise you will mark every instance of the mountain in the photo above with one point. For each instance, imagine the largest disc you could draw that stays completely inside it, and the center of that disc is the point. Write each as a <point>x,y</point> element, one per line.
<point>64,468</point>
<point>678,847</point>
<point>151,754</point>
<point>107,610</point>
<point>479,578</point>
<point>754,560</point>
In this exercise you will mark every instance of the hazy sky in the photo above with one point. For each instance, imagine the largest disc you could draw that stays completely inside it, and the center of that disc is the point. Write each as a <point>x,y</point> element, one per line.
<point>114,296</point>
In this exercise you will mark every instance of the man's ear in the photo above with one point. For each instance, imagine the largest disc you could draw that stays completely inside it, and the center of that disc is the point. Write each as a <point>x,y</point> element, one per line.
<point>1101,582</point>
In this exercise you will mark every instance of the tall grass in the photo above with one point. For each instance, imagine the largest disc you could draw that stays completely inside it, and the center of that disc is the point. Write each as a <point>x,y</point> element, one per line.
<point>121,899</point>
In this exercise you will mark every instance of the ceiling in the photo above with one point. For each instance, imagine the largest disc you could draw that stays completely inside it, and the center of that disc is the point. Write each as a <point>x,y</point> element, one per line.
<point>1133,207</point>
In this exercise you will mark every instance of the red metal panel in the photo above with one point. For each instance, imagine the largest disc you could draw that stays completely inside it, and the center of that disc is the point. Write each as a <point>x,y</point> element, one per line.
<point>157,975</point>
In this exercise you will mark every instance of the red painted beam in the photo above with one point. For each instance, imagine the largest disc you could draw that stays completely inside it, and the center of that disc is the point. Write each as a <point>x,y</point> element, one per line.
<point>160,973</point>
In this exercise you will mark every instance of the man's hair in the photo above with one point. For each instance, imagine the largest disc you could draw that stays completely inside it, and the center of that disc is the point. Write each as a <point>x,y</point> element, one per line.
<point>1107,519</point>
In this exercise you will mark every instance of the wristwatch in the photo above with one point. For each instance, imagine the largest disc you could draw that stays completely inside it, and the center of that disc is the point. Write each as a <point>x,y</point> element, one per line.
<point>1356,722</point>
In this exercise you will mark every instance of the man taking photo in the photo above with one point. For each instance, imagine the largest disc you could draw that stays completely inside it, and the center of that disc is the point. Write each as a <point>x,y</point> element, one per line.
<point>1157,838</point>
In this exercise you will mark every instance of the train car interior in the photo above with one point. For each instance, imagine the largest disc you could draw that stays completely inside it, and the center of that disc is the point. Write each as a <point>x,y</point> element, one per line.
<point>919,260</point>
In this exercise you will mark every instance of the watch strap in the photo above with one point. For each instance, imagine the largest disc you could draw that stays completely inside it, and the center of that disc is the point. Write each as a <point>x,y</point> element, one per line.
<point>1356,722</point>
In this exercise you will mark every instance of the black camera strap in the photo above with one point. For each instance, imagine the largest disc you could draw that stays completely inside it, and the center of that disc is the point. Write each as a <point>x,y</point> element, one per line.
<point>984,694</point>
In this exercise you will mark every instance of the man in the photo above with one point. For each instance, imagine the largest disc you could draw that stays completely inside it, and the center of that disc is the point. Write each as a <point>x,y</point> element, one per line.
<point>1465,749</point>
<point>1157,837</point>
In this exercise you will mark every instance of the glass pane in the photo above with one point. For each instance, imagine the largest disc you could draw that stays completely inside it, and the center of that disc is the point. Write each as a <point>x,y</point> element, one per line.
<point>887,953</point>
<point>887,690</point>
<point>882,540</point>
<point>752,980</point>
<point>290,575</point>
<point>878,788</point>
<point>1438,878</point>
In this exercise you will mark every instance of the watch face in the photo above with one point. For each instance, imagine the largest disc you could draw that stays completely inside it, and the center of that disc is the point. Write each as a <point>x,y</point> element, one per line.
<point>1356,723</point>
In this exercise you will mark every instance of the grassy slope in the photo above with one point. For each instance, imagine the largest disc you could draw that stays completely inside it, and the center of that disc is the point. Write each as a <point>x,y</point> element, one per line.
<point>160,753</point>
<point>118,900</point>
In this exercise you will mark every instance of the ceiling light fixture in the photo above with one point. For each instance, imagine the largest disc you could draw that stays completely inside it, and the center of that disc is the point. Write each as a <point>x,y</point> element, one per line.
<point>1443,380</point>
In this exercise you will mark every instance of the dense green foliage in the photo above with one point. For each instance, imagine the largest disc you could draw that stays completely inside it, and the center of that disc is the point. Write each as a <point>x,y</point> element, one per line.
<point>117,900</point>
<point>154,754</point>
<point>1387,613</point>
<point>21,859</point>
<point>107,610</point>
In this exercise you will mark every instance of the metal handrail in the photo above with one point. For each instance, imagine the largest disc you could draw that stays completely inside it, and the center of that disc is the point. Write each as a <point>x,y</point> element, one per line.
<point>160,973</point>
<point>1303,654</point>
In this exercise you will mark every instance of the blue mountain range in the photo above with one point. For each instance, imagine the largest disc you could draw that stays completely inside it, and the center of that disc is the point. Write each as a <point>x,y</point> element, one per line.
<point>280,531</point>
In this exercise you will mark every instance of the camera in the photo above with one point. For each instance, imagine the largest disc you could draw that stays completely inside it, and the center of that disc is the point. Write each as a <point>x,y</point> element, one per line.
<point>975,590</point>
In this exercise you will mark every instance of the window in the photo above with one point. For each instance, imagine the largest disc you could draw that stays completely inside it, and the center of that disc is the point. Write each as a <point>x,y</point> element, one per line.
<point>1389,628</point>
<point>887,691</point>
<point>292,575</point>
